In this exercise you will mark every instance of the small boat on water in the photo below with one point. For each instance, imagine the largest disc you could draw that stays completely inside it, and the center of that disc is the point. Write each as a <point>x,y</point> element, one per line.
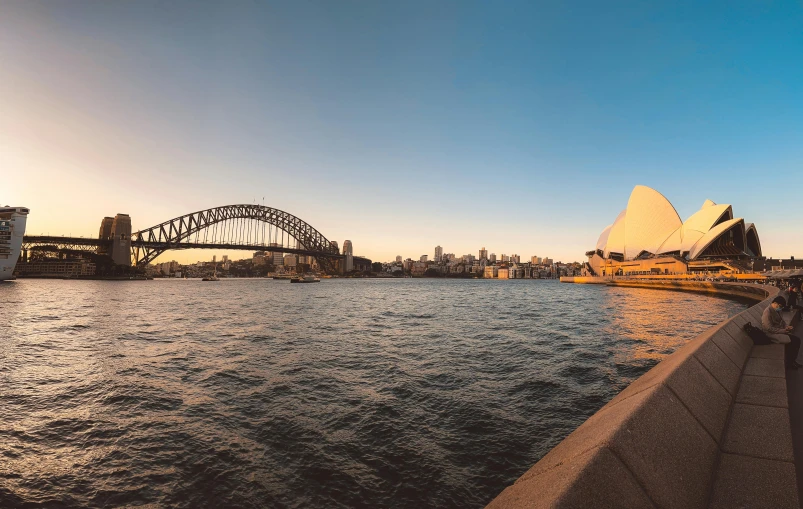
<point>305,279</point>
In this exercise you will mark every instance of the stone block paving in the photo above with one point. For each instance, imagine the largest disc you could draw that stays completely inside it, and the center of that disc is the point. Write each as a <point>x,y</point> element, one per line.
<point>764,435</point>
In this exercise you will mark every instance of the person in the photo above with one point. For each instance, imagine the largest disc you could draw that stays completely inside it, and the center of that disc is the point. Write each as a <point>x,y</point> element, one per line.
<point>779,332</point>
<point>794,296</point>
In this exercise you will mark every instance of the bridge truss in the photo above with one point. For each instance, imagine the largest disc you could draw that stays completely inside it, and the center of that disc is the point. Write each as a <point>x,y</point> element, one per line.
<point>254,227</point>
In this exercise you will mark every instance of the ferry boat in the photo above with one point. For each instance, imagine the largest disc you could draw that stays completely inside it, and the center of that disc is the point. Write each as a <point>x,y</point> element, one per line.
<point>12,228</point>
<point>305,279</point>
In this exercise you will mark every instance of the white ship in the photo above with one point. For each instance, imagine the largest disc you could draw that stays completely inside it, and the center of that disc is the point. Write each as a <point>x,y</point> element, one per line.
<point>12,228</point>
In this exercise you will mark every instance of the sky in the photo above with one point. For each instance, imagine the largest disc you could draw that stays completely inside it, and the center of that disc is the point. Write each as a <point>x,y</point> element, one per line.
<point>521,127</point>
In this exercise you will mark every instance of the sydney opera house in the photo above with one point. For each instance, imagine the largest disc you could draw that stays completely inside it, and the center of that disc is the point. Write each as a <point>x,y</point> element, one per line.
<point>648,237</point>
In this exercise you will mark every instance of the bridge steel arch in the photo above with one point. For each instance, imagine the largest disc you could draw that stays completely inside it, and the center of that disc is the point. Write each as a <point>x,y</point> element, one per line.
<point>177,233</point>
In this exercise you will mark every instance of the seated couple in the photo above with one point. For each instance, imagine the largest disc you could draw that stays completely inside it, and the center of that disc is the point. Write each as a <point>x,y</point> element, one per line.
<point>779,332</point>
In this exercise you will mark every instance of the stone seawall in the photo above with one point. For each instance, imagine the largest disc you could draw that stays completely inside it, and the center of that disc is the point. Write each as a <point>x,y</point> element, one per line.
<point>706,427</point>
<point>743,290</point>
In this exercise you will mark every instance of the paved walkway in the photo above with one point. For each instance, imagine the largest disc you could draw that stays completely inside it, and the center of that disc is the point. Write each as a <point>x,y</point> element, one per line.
<point>794,390</point>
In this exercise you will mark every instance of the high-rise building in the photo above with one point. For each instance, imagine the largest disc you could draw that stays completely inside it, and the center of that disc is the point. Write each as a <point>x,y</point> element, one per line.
<point>515,258</point>
<point>492,257</point>
<point>347,248</point>
<point>483,254</point>
<point>423,258</point>
<point>505,258</point>
<point>534,260</point>
<point>398,259</point>
<point>438,253</point>
<point>334,245</point>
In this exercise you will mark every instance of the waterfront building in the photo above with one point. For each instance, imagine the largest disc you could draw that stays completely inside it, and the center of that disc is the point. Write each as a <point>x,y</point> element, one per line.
<point>483,254</point>
<point>503,273</point>
<point>348,248</point>
<point>418,268</point>
<point>648,237</point>
<point>438,253</point>
<point>289,260</point>
<point>12,229</point>
<point>56,268</point>
<point>491,271</point>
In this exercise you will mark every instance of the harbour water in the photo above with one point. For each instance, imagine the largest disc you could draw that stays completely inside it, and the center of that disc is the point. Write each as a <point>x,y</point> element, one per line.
<point>347,393</point>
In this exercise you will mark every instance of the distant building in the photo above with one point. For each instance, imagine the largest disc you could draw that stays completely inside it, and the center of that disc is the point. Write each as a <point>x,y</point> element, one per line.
<point>491,271</point>
<point>503,274</point>
<point>438,253</point>
<point>398,259</point>
<point>505,258</point>
<point>419,268</point>
<point>492,258</point>
<point>483,254</point>
<point>535,260</point>
<point>275,257</point>
<point>514,258</point>
<point>423,259</point>
<point>347,248</point>
<point>290,260</point>
<point>546,261</point>
<point>334,245</point>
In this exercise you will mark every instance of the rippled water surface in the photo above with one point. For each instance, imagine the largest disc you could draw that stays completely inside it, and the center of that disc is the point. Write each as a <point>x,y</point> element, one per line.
<point>347,393</point>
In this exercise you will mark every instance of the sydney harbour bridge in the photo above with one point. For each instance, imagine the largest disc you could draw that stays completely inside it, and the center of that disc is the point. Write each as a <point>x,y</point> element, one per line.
<point>242,227</point>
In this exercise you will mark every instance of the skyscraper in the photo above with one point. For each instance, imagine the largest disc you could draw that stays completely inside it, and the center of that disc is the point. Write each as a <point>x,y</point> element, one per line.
<point>492,258</point>
<point>398,259</point>
<point>483,254</point>
<point>347,248</point>
<point>438,253</point>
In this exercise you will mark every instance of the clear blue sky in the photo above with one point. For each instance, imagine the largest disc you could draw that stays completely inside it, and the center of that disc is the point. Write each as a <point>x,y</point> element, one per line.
<point>518,126</point>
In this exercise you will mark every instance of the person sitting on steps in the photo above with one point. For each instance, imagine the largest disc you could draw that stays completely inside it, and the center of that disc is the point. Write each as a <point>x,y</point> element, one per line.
<point>779,332</point>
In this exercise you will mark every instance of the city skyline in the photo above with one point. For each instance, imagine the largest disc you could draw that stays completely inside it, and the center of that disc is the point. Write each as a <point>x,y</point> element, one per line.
<point>401,127</point>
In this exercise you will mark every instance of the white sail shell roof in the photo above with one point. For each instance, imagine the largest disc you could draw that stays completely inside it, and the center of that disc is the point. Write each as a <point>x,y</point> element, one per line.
<point>603,238</point>
<point>651,224</point>
<point>705,218</point>
<point>650,219</point>
<point>711,236</point>
<point>616,238</point>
